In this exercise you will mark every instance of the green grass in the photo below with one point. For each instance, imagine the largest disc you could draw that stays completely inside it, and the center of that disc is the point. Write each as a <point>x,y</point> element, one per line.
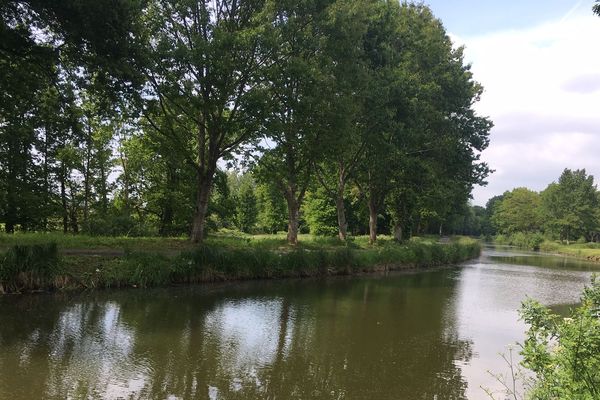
<point>29,267</point>
<point>589,251</point>
<point>69,241</point>
<point>147,262</point>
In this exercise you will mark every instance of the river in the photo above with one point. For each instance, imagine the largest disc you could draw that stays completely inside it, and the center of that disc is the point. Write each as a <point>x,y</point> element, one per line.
<point>419,335</point>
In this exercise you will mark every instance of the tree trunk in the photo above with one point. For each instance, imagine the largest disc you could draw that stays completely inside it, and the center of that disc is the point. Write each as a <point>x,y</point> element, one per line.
<point>103,189</point>
<point>12,185</point>
<point>63,198</point>
<point>166,220</point>
<point>441,229</point>
<point>11,206</point>
<point>372,221</point>
<point>339,203</point>
<point>74,223</point>
<point>398,232</point>
<point>202,197</point>
<point>46,179</point>
<point>293,218</point>
<point>341,216</point>
<point>167,215</point>
<point>73,209</point>
<point>86,179</point>
<point>126,188</point>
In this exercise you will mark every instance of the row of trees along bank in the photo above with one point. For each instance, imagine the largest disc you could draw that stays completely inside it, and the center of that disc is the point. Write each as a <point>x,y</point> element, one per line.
<point>568,210</point>
<point>121,117</point>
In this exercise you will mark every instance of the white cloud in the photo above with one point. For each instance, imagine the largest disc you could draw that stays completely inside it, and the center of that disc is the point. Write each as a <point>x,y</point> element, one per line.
<point>542,90</point>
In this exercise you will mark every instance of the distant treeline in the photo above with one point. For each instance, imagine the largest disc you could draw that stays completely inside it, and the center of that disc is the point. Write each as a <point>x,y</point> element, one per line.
<point>567,210</point>
<point>126,117</point>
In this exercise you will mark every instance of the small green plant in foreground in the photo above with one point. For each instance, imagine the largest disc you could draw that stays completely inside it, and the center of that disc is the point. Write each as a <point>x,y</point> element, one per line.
<point>561,356</point>
<point>564,353</point>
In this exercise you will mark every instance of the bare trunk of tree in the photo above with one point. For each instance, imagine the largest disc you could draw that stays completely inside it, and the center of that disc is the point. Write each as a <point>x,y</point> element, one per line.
<point>293,218</point>
<point>73,209</point>
<point>398,232</point>
<point>74,223</point>
<point>86,179</point>
<point>167,215</point>
<point>126,184</point>
<point>202,197</point>
<point>63,199</point>
<point>12,185</point>
<point>166,220</point>
<point>103,188</point>
<point>341,216</point>
<point>46,179</point>
<point>372,221</point>
<point>11,206</point>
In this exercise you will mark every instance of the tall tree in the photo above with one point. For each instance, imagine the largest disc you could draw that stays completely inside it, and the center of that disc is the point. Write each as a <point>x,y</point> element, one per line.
<point>345,140</point>
<point>518,211</point>
<point>297,75</point>
<point>421,108</point>
<point>569,206</point>
<point>243,192</point>
<point>201,61</point>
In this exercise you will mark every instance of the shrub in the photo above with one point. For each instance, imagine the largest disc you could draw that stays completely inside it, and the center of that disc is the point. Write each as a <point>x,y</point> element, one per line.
<point>139,269</point>
<point>29,267</point>
<point>37,266</point>
<point>564,353</point>
<point>535,241</point>
<point>549,247</point>
<point>529,241</point>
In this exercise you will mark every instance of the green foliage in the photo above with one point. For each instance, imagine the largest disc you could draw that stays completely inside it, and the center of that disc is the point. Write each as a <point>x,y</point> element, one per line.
<point>24,267</point>
<point>121,224</point>
<point>138,270</point>
<point>564,353</point>
<point>567,210</point>
<point>243,192</point>
<point>570,206</point>
<point>368,99</point>
<point>272,212</point>
<point>518,211</point>
<point>320,213</point>
<point>530,241</point>
<point>35,267</point>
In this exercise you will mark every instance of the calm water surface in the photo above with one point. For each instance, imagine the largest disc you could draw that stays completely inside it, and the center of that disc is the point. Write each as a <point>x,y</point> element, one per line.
<point>425,335</point>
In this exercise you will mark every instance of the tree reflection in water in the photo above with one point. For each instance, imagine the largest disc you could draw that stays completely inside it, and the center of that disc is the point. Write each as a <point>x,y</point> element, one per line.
<point>373,337</point>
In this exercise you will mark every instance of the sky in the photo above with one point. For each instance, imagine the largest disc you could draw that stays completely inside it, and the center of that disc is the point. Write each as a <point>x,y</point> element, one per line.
<point>539,62</point>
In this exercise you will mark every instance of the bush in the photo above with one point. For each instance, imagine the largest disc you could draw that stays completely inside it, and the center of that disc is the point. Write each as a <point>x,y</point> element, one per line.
<point>117,225</point>
<point>564,353</point>
<point>29,267</point>
<point>549,247</point>
<point>37,266</point>
<point>529,241</point>
<point>139,269</point>
<point>535,241</point>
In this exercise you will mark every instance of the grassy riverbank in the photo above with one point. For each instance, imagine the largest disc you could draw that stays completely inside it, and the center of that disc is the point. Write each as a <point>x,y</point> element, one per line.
<point>587,251</point>
<point>30,262</point>
<point>536,241</point>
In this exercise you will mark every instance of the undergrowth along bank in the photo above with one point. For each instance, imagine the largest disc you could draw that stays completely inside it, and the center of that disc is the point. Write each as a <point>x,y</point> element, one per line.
<point>41,267</point>
<point>537,242</point>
